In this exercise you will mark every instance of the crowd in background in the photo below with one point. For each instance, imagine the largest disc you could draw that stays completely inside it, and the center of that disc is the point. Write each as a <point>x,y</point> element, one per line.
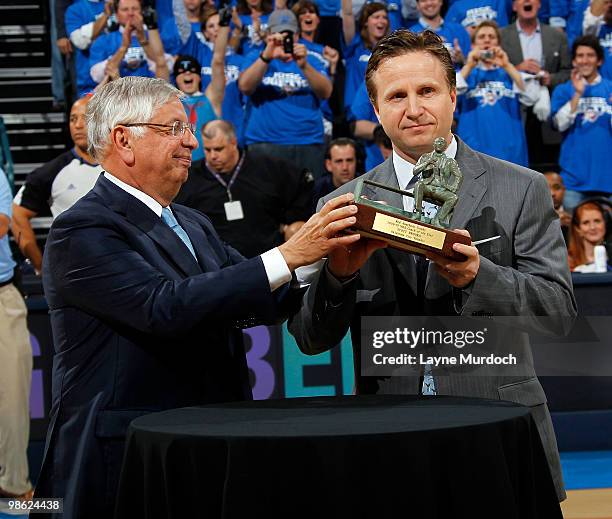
<point>287,78</point>
<point>275,95</point>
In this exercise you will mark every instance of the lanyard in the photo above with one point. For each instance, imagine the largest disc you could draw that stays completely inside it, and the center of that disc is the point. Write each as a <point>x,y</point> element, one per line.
<point>227,185</point>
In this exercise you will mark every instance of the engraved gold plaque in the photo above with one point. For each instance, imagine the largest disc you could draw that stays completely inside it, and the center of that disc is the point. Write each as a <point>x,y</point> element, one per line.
<point>399,229</point>
<point>408,230</point>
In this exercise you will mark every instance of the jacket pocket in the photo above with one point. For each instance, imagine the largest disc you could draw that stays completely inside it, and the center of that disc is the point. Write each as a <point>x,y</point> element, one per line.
<point>527,392</point>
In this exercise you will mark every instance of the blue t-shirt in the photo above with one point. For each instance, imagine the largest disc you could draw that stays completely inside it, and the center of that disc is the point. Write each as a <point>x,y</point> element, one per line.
<point>585,151</point>
<point>78,14</point>
<point>473,12</point>
<point>448,31</point>
<point>362,110</point>
<point>490,117</point>
<point>134,63</point>
<point>284,109</point>
<point>394,12</point>
<point>573,13</point>
<point>316,51</point>
<point>356,56</point>
<point>163,8</point>
<point>199,112</point>
<point>329,7</point>
<point>233,101</point>
<point>252,41</point>
<point>171,39</point>
<point>605,38</point>
<point>6,203</point>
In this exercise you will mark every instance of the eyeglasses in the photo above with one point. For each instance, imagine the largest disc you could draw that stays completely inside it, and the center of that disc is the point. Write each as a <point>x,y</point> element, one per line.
<point>177,128</point>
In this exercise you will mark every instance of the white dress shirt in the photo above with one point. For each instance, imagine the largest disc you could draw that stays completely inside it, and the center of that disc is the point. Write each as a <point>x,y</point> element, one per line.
<point>404,172</point>
<point>531,44</point>
<point>275,265</point>
<point>564,118</point>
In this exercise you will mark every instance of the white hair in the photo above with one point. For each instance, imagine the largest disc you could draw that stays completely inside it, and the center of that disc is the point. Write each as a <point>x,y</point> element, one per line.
<point>127,100</point>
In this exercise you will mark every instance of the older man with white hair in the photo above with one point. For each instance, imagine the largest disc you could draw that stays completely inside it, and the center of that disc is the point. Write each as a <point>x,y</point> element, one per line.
<point>146,301</point>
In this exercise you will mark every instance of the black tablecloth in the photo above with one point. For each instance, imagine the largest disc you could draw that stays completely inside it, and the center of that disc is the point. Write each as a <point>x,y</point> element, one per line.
<point>368,456</point>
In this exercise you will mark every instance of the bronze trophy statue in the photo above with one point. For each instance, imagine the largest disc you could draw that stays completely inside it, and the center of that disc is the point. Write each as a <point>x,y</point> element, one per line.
<point>440,181</point>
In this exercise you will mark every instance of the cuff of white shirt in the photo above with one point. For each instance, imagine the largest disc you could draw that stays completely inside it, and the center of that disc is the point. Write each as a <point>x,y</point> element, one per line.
<point>276,268</point>
<point>591,23</point>
<point>97,71</point>
<point>81,37</point>
<point>564,117</point>
<point>557,21</point>
<point>461,83</point>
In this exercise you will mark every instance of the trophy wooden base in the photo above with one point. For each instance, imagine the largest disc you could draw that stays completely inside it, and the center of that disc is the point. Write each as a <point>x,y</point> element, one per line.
<point>405,233</point>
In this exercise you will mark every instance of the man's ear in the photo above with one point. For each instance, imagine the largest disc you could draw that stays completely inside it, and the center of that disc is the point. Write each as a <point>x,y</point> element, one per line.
<point>453,96</point>
<point>121,141</point>
<point>376,111</point>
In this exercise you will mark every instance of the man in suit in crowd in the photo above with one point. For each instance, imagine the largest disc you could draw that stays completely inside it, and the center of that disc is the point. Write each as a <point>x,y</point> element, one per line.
<point>540,50</point>
<point>411,84</point>
<point>146,301</point>
<point>535,47</point>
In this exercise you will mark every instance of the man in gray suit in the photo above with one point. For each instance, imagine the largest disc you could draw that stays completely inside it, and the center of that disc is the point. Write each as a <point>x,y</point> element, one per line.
<point>411,84</point>
<point>535,47</point>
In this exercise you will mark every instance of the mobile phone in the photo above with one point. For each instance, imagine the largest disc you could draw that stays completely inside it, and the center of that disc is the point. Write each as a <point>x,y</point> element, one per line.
<point>288,42</point>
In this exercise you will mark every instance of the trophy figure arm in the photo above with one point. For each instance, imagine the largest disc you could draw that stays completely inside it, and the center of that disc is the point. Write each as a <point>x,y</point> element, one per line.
<point>457,176</point>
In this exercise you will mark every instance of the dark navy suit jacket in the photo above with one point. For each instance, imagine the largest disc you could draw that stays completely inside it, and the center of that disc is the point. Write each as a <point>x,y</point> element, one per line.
<point>138,326</point>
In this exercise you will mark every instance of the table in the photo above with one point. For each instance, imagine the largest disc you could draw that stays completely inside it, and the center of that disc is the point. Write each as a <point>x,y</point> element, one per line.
<point>369,456</point>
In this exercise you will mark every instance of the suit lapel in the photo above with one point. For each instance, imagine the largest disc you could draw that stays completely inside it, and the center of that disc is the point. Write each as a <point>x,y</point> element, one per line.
<point>199,240</point>
<point>148,222</point>
<point>471,192</point>
<point>514,45</point>
<point>385,174</point>
<point>547,47</point>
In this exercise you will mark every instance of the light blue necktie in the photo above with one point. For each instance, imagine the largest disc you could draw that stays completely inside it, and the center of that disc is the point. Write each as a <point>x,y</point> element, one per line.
<point>429,383</point>
<point>169,219</point>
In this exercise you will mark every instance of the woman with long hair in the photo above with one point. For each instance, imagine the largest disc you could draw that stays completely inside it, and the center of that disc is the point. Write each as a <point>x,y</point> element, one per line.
<point>373,26</point>
<point>588,230</point>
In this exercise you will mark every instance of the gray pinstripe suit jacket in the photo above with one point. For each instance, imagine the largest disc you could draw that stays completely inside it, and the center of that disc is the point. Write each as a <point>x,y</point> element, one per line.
<point>525,273</point>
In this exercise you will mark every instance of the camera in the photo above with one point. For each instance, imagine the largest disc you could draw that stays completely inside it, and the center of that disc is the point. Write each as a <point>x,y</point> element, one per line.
<point>112,24</point>
<point>487,54</point>
<point>225,16</point>
<point>149,17</point>
<point>288,42</point>
<point>225,13</point>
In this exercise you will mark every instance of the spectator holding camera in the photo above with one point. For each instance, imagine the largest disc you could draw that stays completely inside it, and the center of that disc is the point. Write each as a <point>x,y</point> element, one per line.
<point>286,87</point>
<point>134,49</point>
<point>490,118</point>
